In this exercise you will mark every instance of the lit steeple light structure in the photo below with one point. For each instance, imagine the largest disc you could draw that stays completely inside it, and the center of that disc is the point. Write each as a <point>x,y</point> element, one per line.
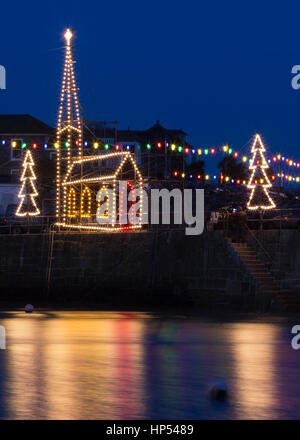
<point>69,126</point>
<point>82,179</point>
<point>68,36</point>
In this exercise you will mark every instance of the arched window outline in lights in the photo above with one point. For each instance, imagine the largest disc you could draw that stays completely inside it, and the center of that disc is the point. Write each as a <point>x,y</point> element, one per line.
<point>106,200</point>
<point>86,193</point>
<point>131,215</point>
<point>72,212</point>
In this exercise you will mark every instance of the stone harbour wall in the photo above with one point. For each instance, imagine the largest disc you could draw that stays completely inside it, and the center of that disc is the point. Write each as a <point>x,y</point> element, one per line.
<point>162,268</point>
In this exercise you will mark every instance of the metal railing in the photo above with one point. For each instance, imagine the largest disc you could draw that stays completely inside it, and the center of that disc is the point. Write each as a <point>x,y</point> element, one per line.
<point>13,225</point>
<point>271,249</point>
<point>279,219</point>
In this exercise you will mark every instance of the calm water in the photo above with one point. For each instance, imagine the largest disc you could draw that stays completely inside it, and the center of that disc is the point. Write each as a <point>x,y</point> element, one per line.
<point>106,365</point>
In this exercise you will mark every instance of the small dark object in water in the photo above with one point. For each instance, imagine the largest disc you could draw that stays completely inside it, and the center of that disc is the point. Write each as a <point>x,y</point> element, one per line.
<point>29,308</point>
<point>219,391</point>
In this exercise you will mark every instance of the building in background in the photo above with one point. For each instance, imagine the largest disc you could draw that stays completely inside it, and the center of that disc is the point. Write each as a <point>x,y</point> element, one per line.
<point>8,194</point>
<point>16,133</point>
<point>158,150</point>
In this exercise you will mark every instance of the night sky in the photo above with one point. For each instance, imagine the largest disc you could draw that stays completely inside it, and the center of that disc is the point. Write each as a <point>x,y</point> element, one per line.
<point>219,70</point>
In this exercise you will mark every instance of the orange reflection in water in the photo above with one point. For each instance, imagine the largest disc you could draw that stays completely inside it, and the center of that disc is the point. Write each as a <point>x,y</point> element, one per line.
<point>78,367</point>
<point>129,369</point>
<point>254,360</point>
<point>96,365</point>
<point>24,352</point>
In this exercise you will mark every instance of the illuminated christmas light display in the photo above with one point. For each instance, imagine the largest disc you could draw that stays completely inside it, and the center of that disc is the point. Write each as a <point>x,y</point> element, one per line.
<point>86,203</point>
<point>279,159</point>
<point>72,203</point>
<point>28,191</point>
<point>81,180</point>
<point>90,195</point>
<point>259,181</point>
<point>105,201</point>
<point>69,126</point>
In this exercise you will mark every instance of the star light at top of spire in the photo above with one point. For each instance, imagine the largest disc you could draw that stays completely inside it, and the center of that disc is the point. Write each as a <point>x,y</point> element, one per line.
<point>68,36</point>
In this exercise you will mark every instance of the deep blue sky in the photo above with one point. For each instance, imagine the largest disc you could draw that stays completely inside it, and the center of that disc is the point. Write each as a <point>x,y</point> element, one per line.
<point>220,70</point>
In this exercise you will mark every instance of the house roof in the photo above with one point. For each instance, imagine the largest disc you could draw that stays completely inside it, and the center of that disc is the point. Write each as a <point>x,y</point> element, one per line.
<point>23,124</point>
<point>106,173</point>
<point>158,130</point>
<point>155,133</point>
<point>29,125</point>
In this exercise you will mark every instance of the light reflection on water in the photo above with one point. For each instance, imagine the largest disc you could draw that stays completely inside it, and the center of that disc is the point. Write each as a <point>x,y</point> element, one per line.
<point>100,365</point>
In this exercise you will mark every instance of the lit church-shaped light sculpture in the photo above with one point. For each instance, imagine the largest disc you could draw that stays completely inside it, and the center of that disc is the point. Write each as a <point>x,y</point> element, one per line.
<point>83,180</point>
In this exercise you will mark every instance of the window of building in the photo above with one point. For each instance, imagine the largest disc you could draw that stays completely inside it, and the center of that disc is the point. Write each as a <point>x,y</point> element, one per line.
<point>15,172</point>
<point>16,151</point>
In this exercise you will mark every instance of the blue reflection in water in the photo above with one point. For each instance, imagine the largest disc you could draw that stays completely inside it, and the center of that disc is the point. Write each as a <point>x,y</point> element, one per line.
<point>108,365</point>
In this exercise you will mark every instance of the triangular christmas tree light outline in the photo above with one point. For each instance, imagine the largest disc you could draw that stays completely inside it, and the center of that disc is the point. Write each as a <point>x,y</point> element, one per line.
<point>260,163</point>
<point>27,178</point>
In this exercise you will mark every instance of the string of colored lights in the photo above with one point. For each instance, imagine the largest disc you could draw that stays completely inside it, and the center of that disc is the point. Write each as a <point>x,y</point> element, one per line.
<point>281,175</point>
<point>290,162</point>
<point>228,179</point>
<point>17,143</point>
<point>219,177</point>
<point>282,160</point>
